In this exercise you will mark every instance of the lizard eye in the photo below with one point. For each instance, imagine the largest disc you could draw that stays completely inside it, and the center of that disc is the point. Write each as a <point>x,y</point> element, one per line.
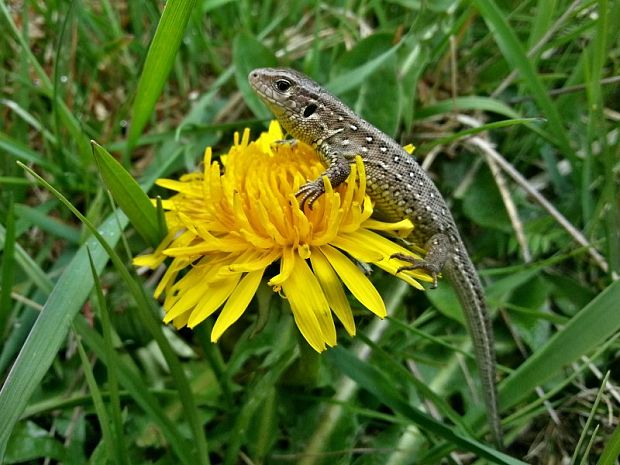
<point>283,85</point>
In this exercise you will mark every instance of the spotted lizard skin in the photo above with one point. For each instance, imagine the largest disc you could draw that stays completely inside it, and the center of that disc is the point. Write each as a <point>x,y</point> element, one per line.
<point>399,188</point>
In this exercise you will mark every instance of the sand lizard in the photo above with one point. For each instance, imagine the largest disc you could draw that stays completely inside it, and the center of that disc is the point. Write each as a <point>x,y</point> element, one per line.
<point>399,188</point>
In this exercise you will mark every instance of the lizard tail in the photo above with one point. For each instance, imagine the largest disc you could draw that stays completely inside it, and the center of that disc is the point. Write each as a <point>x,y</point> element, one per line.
<point>464,278</point>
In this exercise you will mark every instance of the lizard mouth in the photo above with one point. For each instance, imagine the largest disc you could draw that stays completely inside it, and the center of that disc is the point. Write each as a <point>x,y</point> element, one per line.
<point>254,79</point>
<point>259,82</point>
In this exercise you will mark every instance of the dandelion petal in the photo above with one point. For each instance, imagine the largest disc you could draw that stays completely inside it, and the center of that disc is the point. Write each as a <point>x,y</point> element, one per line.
<point>358,249</point>
<point>356,281</point>
<point>287,265</point>
<point>236,303</point>
<point>213,299</point>
<point>331,285</point>
<point>309,306</point>
<point>186,302</point>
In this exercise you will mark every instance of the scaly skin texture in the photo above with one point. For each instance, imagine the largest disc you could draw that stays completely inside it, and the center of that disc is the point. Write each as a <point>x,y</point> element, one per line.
<point>399,187</point>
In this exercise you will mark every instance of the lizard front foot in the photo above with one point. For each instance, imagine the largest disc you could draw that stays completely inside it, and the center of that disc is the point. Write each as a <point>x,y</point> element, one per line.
<point>416,264</point>
<point>309,192</point>
<point>290,142</point>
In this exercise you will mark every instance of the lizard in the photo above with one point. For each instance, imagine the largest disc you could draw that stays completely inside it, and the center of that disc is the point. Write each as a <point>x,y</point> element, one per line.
<point>398,186</point>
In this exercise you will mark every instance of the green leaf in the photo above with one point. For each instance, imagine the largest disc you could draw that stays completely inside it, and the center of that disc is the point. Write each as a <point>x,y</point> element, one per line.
<point>445,300</point>
<point>159,61</point>
<point>483,204</point>
<point>532,295</point>
<point>249,54</point>
<point>377,84</point>
<point>129,196</point>
<point>374,381</point>
<point>31,442</point>
<point>353,78</point>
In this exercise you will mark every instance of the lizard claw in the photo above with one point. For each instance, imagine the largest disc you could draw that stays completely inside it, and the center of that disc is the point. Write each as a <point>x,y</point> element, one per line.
<point>309,192</point>
<point>290,142</point>
<point>416,264</point>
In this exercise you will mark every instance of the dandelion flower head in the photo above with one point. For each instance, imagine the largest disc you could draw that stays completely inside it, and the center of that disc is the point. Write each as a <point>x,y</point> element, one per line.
<point>228,223</point>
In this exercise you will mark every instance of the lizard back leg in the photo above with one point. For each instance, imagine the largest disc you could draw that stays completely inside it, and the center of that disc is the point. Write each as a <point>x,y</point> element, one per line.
<point>438,253</point>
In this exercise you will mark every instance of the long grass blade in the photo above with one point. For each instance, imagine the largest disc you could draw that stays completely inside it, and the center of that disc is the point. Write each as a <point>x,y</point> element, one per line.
<point>51,328</point>
<point>7,271</point>
<point>146,311</point>
<point>514,53</point>
<point>159,61</point>
<point>611,452</point>
<point>589,328</point>
<point>119,449</point>
<point>102,414</point>
<point>375,381</point>
<point>128,376</point>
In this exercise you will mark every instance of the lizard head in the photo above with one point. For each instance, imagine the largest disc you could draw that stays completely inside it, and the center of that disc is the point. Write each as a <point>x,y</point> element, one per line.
<point>292,97</point>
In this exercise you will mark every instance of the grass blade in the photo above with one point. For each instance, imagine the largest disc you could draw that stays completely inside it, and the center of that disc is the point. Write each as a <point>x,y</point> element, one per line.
<point>586,427</point>
<point>476,130</point>
<point>71,122</point>
<point>119,450</point>
<point>24,153</point>
<point>470,102</point>
<point>102,414</point>
<point>129,196</point>
<point>146,312</point>
<point>585,331</point>
<point>48,223</point>
<point>28,265</point>
<point>374,381</point>
<point>130,379</point>
<point>159,61</point>
<point>515,55</point>
<point>611,452</point>
<point>51,328</point>
<point>7,272</point>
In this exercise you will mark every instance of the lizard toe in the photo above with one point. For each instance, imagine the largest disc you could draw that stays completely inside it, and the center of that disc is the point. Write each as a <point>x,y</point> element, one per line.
<point>416,264</point>
<point>309,193</point>
<point>288,142</point>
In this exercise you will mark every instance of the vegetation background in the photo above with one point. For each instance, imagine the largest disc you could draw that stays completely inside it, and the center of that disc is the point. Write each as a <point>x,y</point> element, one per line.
<point>515,109</point>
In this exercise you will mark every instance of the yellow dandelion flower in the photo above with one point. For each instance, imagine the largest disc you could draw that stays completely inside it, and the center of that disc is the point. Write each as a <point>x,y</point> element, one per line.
<point>229,223</point>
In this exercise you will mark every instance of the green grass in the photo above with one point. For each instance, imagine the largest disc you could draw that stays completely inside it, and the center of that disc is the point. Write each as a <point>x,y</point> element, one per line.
<point>90,374</point>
